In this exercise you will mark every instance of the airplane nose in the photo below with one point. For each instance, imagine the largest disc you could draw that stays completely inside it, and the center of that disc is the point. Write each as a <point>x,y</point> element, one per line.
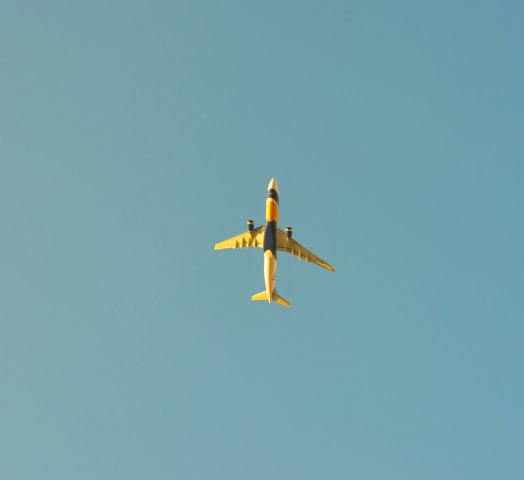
<point>273,185</point>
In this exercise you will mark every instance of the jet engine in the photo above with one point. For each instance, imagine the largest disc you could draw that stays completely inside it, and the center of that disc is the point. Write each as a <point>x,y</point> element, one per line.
<point>289,232</point>
<point>250,225</point>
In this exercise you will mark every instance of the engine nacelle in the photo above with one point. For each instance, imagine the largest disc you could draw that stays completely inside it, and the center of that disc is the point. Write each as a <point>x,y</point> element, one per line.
<point>289,232</point>
<point>250,225</point>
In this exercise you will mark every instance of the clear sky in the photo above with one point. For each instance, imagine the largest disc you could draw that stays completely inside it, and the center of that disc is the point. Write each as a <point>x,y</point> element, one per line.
<point>135,135</point>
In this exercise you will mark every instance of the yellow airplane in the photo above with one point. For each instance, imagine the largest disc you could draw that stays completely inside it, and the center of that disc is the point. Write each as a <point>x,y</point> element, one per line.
<point>271,238</point>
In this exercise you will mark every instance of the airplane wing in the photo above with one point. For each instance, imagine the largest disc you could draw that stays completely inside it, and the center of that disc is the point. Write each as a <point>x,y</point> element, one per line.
<point>251,238</point>
<point>290,245</point>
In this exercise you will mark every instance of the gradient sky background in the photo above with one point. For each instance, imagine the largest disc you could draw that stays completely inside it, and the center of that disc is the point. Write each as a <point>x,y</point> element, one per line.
<point>135,135</point>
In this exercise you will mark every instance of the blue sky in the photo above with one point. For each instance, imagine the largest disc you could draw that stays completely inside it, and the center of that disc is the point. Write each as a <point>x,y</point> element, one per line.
<point>134,136</point>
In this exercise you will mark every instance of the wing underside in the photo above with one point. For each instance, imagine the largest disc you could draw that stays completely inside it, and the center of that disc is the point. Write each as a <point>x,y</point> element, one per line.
<point>290,245</point>
<point>251,238</point>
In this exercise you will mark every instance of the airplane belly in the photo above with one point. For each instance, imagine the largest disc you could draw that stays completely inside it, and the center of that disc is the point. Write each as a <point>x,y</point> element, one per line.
<point>270,271</point>
<point>270,237</point>
<point>271,210</point>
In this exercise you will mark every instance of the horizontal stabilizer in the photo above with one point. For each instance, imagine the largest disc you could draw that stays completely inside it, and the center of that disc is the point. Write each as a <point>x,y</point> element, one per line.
<point>277,298</point>
<point>260,296</point>
<point>274,298</point>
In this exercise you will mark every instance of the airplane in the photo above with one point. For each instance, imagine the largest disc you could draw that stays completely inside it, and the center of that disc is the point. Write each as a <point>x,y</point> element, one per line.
<point>272,239</point>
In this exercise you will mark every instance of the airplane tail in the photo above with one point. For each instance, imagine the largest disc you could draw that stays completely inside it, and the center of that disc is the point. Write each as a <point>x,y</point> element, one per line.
<point>275,298</point>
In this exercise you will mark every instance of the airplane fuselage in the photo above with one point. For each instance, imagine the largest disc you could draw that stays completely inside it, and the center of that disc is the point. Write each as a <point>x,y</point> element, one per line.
<point>270,239</point>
